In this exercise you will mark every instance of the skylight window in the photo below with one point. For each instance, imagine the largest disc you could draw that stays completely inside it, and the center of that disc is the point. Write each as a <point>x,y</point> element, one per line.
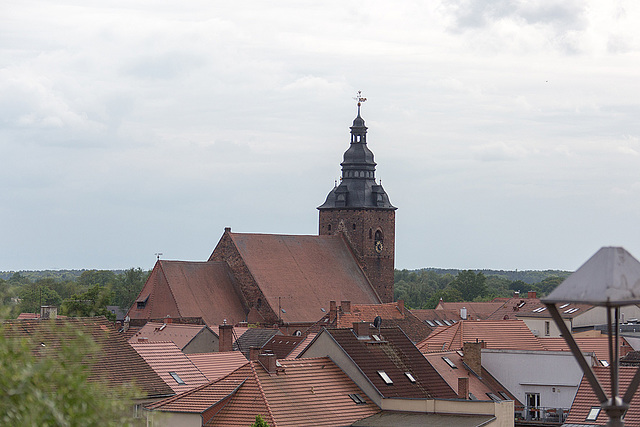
<point>522,304</point>
<point>177,378</point>
<point>385,377</point>
<point>430,323</point>
<point>439,323</point>
<point>564,305</point>
<point>410,376</point>
<point>449,362</point>
<point>376,337</point>
<point>472,396</point>
<point>446,322</point>
<point>323,310</point>
<point>539,309</point>
<point>494,397</point>
<point>504,395</point>
<point>357,399</point>
<point>593,413</point>
<point>604,363</point>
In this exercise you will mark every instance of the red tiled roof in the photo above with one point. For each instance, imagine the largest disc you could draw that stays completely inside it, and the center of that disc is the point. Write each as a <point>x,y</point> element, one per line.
<point>497,334</point>
<point>532,307</point>
<point>479,386</point>
<point>305,272</point>
<point>296,351</point>
<point>190,289</point>
<point>395,355</point>
<point>303,392</point>
<point>217,365</point>
<point>179,333</point>
<point>282,345</point>
<point>477,310</point>
<point>166,357</point>
<point>117,362</point>
<point>597,345</point>
<point>586,399</point>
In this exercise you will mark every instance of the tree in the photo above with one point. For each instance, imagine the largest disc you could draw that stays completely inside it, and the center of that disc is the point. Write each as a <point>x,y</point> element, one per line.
<point>96,277</point>
<point>91,303</point>
<point>470,284</point>
<point>127,287</point>
<point>260,422</point>
<point>43,386</point>
<point>33,296</point>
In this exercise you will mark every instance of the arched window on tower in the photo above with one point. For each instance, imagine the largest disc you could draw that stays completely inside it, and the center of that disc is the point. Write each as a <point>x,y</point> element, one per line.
<point>370,233</point>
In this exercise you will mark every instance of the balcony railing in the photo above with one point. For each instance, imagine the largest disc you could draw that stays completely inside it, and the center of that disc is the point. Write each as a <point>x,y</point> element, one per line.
<point>541,414</point>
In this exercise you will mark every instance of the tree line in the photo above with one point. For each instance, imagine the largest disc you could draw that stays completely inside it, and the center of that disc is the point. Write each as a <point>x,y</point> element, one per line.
<point>86,294</point>
<point>424,288</point>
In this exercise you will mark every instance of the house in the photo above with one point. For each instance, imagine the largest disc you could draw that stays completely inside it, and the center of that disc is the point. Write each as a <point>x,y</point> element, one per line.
<point>296,393</point>
<point>391,314</point>
<point>171,364</point>
<point>282,345</point>
<point>288,280</point>
<point>116,362</point>
<point>500,334</point>
<point>585,410</point>
<point>188,338</point>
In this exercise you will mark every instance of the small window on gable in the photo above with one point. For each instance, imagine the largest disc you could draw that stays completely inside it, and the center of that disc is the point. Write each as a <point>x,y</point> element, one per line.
<point>142,302</point>
<point>449,362</point>
<point>357,399</point>
<point>385,377</point>
<point>593,413</point>
<point>177,378</point>
<point>370,233</point>
<point>411,377</point>
<point>329,227</point>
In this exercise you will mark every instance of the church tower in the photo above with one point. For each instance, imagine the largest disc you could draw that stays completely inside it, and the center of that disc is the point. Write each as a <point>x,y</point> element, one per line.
<point>360,208</point>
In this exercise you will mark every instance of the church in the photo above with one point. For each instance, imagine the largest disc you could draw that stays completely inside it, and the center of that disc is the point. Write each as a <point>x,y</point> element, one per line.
<point>289,280</point>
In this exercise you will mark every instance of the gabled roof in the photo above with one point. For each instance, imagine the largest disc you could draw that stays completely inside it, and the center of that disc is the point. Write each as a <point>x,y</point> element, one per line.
<point>497,334</point>
<point>300,348</point>
<point>479,386</point>
<point>476,310</point>
<point>301,274</point>
<point>597,345</point>
<point>179,333</point>
<point>586,399</point>
<point>396,355</point>
<point>303,392</point>
<point>166,358</point>
<point>217,365</point>
<point>282,345</point>
<point>117,362</point>
<point>254,337</point>
<point>190,289</point>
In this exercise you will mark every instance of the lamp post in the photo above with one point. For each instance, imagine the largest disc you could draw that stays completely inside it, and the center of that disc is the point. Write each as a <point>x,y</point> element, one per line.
<point>609,279</point>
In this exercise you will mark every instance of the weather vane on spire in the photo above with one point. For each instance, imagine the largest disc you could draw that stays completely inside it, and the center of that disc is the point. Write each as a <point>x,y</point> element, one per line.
<point>360,100</point>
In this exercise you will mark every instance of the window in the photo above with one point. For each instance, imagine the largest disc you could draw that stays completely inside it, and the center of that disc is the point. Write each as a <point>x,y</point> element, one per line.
<point>522,303</point>
<point>385,377</point>
<point>604,363</point>
<point>177,378</point>
<point>449,362</point>
<point>546,328</point>
<point>472,396</point>
<point>533,406</point>
<point>430,323</point>
<point>539,309</point>
<point>354,226</point>
<point>446,322</point>
<point>593,413</point>
<point>504,395</point>
<point>564,305</point>
<point>376,337</point>
<point>357,399</point>
<point>411,378</point>
<point>137,410</point>
<point>329,227</point>
<point>439,323</point>
<point>494,397</point>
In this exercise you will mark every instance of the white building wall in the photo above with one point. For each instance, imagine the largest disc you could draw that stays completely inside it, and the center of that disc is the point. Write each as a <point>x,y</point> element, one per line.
<point>555,375</point>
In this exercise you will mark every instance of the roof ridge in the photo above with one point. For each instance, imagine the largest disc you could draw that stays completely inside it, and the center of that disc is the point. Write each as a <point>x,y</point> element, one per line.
<point>272,421</point>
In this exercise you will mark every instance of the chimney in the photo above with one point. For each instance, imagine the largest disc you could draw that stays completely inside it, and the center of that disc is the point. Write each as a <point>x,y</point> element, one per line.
<point>227,229</point>
<point>346,306</point>
<point>463,388</point>
<point>268,362</point>
<point>531,294</point>
<point>361,329</point>
<point>225,337</point>
<point>333,311</point>
<point>463,313</point>
<point>168,319</point>
<point>401,306</point>
<point>473,356</point>
<point>254,352</point>
<point>516,294</point>
<point>48,312</point>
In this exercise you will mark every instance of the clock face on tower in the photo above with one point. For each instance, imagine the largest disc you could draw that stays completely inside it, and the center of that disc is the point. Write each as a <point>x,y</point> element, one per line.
<point>379,246</point>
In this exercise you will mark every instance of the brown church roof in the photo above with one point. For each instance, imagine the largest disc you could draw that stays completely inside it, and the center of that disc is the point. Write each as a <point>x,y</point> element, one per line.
<point>301,274</point>
<point>189,289</point>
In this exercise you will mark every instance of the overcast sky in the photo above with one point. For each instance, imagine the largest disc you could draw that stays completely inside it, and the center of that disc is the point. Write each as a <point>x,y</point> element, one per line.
<point>506,132</point>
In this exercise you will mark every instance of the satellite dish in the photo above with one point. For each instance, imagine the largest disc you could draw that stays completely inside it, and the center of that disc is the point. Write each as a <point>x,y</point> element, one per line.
<point>377,322</point>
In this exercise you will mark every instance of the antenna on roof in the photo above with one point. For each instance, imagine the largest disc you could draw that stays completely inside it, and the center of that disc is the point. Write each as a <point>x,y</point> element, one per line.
<point>158,255</point>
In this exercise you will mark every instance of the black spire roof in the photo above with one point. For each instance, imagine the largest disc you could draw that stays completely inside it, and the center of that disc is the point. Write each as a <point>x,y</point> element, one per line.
<point>358,188</point>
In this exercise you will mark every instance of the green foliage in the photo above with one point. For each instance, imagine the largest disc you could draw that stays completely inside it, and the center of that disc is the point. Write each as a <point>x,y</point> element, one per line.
<point>91,303</point>
<point>33,296</point>
<point>127,287</point>
<point>43,386</point>
<point>470,285</point>
<point>259,422</point>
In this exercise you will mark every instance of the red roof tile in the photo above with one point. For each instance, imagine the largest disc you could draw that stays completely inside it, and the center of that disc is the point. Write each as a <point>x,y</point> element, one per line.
<point>190,289</point>
<point>217,365</point>
<point>597,345</point>
<point>586,399</point>
<point>497,334</point>
<point>476,310</point>
<point>282,345</point>
<point>532,307</point>
<point>179,333</point>
<point>165,358</point>
<point>117,362</point>
<point>301,274</point>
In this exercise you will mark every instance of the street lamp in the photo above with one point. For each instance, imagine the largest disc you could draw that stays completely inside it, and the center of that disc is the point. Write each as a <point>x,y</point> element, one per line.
<point>610,279</point>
